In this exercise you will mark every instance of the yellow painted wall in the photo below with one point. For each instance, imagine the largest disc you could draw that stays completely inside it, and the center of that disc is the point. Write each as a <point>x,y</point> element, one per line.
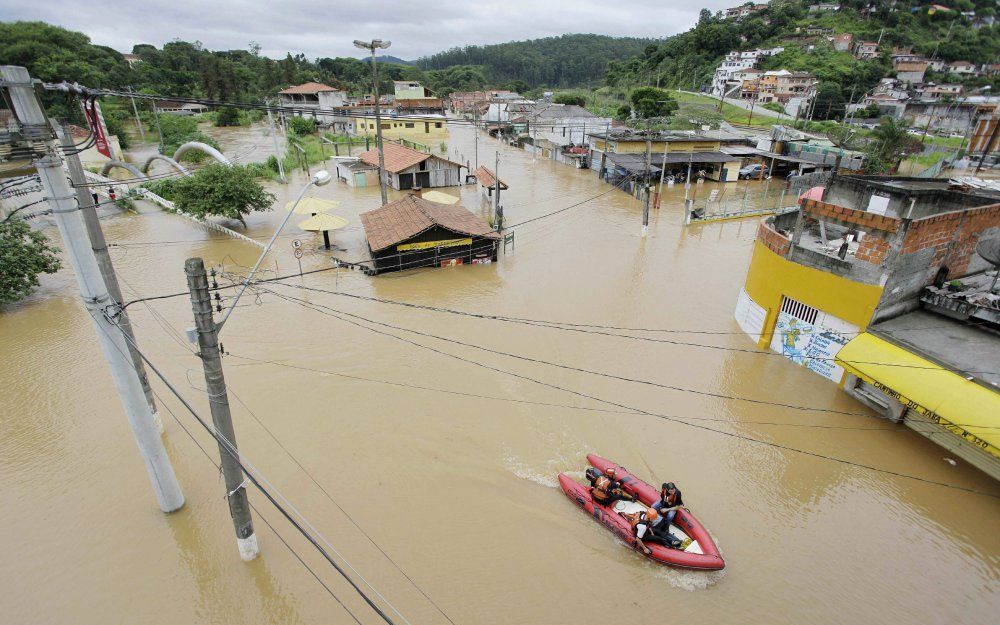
<point>632,147</point>
<point>771,276</point>
<point>429,131</point>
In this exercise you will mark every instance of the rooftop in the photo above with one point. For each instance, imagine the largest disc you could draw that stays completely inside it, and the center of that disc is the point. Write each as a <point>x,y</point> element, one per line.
<point>488,178</point>
<point>309,88</point>
<point>953,344</point>
<point>397,157</point>
<point>405,218</point>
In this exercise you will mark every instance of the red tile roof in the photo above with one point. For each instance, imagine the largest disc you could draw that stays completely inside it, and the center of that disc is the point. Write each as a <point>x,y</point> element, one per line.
<point>488,178</point>
<point>405,218</point>
<point>309,87</point>
<point>397,157</point>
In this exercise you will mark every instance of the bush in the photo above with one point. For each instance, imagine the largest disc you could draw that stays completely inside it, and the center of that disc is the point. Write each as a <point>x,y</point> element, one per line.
<point>25,253</point>
<point>228,116</point>
<point>570,98</point>
<point>443,147</point>
<point>302,126</point>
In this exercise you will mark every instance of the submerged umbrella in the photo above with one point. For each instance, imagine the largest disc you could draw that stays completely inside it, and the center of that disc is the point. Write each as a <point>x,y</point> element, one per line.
<point>312,205</point>
<point>323,223</point>
<point>440,198</point>
<point>815,193</point>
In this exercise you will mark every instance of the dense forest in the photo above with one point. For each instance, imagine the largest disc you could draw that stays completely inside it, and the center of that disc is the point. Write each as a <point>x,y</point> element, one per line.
<point>565,61</point>
<point>688,60</point>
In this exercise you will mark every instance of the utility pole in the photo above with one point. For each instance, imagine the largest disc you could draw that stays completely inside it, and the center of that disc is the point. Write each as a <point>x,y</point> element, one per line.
<point>475,125</point>
<point>210,353</point>
<point>645,175</point>
<point>498,217</point>
<point>663,171</point>
<point>159,131</point>
<point>373,45</point>
<point>100,248</point>
<point>96,299</point>
<point>138,122</point>
<point>277,152</point>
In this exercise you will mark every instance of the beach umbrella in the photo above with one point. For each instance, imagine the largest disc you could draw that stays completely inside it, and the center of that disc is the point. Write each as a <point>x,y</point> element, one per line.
<point>815,193</point>
<point>312,206</point>
<point>323,223</point>
<point>440,198</point>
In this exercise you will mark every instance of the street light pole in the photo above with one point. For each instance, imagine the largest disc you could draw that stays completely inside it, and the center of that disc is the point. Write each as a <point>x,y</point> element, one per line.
<point>373,45</point>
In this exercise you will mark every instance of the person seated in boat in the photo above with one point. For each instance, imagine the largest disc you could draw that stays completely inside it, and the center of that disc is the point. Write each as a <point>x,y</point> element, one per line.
<point>670,500</point>
<point>652,527</point>
<point>607,490</point>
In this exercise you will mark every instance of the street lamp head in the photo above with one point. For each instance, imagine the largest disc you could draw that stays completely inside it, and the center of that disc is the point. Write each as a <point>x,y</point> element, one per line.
<point>321,178</point>
<point>364,45</point>
<point>381,44</point>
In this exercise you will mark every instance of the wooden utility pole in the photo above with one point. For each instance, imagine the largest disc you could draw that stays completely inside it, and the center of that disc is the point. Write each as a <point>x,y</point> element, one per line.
<point>277,153</point>
<point>100,248</point>
<point>20,92</point>
<point>138,122</point>
<point>497,215</point>
<point>210,353</point>
<point>645,176</point>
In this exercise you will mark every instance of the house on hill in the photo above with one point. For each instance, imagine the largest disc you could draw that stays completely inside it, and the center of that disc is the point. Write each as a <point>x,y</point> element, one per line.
<point>413,232</point>
<point>406,168</point>
<point>309,98</point>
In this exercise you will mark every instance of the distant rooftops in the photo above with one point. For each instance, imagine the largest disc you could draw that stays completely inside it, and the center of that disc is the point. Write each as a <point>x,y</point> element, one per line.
<point>309,88</point>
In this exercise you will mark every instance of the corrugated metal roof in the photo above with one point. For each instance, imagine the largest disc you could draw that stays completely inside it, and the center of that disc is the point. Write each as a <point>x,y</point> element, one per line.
<point>407,217</point>
<point>309,88</point>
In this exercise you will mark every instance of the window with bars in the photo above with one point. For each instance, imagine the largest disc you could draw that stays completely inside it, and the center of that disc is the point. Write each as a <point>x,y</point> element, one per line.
<point>799,310</point>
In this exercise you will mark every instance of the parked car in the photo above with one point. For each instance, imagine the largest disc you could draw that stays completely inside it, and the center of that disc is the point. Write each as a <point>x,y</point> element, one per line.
<point>757,170</point>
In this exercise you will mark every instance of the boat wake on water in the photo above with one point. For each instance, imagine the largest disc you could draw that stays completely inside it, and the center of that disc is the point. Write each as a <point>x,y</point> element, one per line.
<point>545,476</point>
<point>687,580</point>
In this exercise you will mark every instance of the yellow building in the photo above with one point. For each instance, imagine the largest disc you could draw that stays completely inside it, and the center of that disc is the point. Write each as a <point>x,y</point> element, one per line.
<point>673,150</point>
<point>839,285</point>
<point>426,129</point>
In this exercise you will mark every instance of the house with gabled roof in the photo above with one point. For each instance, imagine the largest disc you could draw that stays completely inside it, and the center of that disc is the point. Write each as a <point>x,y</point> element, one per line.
<point>406,168</point>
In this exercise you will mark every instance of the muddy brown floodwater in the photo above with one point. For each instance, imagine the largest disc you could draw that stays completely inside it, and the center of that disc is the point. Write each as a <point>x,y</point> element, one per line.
<point>450,466</point>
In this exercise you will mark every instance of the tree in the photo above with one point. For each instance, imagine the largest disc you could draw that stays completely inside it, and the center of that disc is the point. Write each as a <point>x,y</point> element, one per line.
<point>650,102</point>
<point>224,190</point>
<point>302,126</point>
<point>24,254</point>
<point>889,144</point>
<point>830,101</point>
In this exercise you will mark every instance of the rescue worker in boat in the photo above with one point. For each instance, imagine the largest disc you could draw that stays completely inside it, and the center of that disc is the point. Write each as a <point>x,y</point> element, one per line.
<point>670,501</point>
<point>606,490</point>
<point>641,525</point>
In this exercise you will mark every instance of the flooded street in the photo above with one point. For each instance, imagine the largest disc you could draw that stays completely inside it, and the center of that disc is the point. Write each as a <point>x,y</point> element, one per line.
<point>444,448</point>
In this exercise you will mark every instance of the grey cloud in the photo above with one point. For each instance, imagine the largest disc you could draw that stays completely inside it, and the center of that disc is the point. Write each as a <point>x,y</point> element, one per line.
<point>320,29</point>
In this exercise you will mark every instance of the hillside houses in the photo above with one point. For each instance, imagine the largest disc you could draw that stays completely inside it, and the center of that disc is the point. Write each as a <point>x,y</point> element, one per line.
<point>735,62</point>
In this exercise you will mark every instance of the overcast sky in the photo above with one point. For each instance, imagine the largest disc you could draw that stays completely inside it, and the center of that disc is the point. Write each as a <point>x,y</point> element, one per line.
<point>320,29</point>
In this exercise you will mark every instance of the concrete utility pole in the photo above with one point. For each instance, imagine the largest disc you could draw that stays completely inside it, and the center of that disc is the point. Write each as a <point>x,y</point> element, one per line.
<point>66,214</point>
<point>277,152</point>
<point>475,126</point>
<point>663,170</point>
<point>138,122</point>
<point>372,46</point>
<point>209,351</point>
<point>100,248</point>
<point>159,131</point>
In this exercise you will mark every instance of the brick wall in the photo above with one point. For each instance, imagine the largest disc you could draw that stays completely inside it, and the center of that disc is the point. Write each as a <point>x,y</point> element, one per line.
<point>864,220</point>
<point>772,240</point>
<point>873,248</point>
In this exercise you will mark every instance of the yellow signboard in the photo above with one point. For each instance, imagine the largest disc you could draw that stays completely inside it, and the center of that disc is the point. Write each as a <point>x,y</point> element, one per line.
<point>427,245</point>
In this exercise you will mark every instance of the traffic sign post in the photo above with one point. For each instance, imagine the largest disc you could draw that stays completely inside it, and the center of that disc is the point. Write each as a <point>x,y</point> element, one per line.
<point>297,251</point>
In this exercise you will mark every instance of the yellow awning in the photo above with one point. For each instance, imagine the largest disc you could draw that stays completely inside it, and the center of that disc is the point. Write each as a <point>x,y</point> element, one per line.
<point>964,407</point>
<point>323,222</point>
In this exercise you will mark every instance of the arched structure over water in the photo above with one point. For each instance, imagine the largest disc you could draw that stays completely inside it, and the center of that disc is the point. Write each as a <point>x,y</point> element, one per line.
<point>132,169</point>
<point>202,147</point>
<point>166,159</point>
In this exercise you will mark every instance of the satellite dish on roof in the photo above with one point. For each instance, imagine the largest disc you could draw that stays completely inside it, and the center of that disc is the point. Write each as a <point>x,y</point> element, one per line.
<point>990,250</point>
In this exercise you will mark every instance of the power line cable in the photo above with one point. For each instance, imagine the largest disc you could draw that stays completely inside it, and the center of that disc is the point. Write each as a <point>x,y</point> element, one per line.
<point>257,511</point>
<point>672,418</point>
<point>252,475</point>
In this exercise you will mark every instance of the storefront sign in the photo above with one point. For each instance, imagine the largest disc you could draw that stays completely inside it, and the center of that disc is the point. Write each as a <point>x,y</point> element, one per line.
<point>429,245</point>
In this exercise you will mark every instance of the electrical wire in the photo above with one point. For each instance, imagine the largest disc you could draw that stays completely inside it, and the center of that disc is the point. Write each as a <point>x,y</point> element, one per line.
<point>557,326</point>
<point>673,418</point>
<point>257,511</point>
<point>252,475</point>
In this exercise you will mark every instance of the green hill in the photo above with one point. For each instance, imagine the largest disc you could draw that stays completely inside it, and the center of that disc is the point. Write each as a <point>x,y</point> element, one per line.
<point>565,61</point>
<point>688,60</point>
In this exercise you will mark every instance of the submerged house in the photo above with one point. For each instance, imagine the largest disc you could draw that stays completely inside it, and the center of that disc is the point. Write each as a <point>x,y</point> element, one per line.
<point>413,232</point>
<point>406,168</point>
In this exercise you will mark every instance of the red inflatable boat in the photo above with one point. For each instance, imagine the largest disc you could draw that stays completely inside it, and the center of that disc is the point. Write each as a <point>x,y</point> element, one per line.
<point>700,554</point>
